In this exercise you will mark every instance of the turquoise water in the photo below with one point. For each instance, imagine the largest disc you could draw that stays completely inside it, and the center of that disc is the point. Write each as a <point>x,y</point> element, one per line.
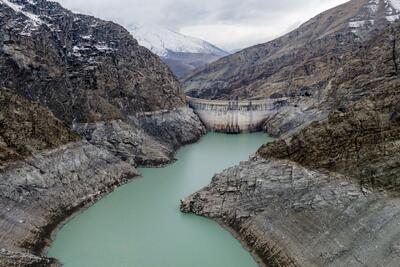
<point>140,225</point>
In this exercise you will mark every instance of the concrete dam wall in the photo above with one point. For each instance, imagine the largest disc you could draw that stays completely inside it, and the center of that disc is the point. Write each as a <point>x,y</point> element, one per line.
<point>232,116</point>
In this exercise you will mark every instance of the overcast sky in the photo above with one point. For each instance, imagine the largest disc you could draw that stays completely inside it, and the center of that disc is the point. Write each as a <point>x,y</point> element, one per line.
<point>229,24</point>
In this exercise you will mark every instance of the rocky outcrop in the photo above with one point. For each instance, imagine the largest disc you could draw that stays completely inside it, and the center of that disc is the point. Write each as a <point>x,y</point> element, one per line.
<point>83,68</point>
<point>127,141</point>
<point>47,173</point>
<point>9,258</point>
<point>362,142</point>
<point>176,127</point>
<point>40,192</point>
<point>146,139</point>
<point>290,215</point>
<point>27,127</point>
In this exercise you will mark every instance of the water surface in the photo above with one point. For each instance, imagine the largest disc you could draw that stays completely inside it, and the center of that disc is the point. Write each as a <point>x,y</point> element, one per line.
<point>140,225</point>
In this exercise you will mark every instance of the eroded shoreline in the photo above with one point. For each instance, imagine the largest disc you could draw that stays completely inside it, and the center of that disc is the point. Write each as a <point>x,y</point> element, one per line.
<point>54,227</point>
<point>188,163</point>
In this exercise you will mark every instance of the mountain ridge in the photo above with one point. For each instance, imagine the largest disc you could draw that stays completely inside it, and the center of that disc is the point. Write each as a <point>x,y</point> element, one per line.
<point>162,40</point>
<point>258,71</point>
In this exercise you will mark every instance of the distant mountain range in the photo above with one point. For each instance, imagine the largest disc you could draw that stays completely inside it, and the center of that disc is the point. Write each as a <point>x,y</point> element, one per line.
<point>182,53</point>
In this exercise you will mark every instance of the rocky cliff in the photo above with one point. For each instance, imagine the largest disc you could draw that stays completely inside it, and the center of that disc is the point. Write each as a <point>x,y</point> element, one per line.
<point>325,193</point>
<point>84,105</point>
<point>47,172</point>
<point>83,68</point>
<point>90,73</point>
<point>362,142</point>
<point>27,128</point>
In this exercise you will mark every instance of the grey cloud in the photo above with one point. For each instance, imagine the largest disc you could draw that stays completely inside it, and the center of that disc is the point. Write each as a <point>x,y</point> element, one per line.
<point>270,17</point>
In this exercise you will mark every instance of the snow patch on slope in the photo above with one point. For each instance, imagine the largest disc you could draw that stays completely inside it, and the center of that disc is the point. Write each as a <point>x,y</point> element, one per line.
<point>365,19</point>
<point>362,23</point>
<point>161,41</point>
<point>392,10</point>
<point>373,6</point>
<point>36,21</point>
<point>395,4</point>
<point>369,14</point>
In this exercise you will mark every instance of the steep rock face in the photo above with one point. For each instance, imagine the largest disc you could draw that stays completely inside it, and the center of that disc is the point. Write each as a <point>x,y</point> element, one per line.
<point>290,215</point>
<point>150,138</point>
<point>359,137</point>
<point>362,73</point>
<point>127,141</point>
<point>41,191</point>
<point>178,127</point>
<point>84,69</point>
<point>10,258</point>
<point>27,128</point>
<point>47,172</point>
<point>362,142</point>
<point>365,72</point>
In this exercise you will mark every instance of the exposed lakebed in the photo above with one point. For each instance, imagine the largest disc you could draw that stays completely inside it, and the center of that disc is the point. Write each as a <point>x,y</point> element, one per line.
<point>140,224</point>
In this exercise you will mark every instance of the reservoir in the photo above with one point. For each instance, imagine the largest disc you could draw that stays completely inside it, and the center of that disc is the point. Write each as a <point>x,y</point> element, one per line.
<point>140,225</point>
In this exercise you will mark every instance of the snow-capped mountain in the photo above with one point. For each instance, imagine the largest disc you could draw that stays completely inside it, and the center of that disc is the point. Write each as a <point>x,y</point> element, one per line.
<point>182,53</point>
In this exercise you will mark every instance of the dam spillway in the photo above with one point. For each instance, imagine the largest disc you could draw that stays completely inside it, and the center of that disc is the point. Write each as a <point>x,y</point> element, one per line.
<point>234,116</point>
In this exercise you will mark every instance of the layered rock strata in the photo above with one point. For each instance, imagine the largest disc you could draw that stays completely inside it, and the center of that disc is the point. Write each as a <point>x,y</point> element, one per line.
<point>290,215</point>
<point>47,173</point>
